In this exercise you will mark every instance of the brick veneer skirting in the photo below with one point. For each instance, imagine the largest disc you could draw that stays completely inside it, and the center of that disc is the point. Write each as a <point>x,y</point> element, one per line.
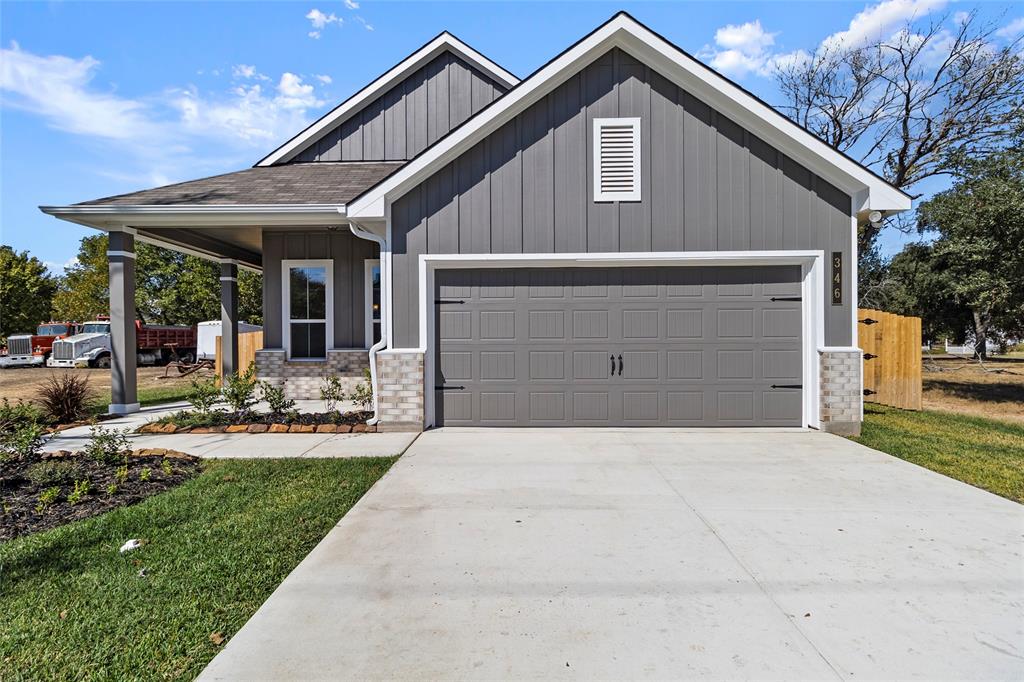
<point>841,392</point>
<point>302,379</point>
<point>400,391</point>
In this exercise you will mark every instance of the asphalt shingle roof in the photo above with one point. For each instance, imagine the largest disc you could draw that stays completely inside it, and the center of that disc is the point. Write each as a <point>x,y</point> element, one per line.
<point>296,183</point>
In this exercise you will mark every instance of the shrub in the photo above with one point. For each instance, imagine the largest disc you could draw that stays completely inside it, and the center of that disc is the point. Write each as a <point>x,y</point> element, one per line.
<point>12,415</point>
<point>107,445</point>
<point>79,492</point>
<point>22,441</point>
<point>239,390</point>
<point>332,392</point>
<point>66,397</point>
<point>273,396</point>
<point>46,498</point>
<point>203,395</point>
<point>53,472</point>
<point>362,395</point>
<point>145,474</point>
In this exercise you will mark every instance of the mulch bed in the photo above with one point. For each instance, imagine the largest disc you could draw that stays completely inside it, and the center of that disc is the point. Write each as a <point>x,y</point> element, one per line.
<point>19,496</point>
<point>319,422</point>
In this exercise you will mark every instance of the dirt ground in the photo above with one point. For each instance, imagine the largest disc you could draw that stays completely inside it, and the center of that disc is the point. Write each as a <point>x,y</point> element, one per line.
<point>963,386</point>
<point>24,382</point>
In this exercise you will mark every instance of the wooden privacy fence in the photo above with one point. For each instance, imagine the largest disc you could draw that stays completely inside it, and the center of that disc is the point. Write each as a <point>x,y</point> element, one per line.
<point>248,344</point>
<point>892,358</point>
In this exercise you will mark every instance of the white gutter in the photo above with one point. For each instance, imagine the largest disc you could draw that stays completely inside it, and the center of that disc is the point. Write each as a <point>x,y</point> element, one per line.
<point>384,318</point>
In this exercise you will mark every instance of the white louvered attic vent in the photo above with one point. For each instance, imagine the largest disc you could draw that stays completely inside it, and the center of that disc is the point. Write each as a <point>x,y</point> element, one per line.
<point>616,159</point>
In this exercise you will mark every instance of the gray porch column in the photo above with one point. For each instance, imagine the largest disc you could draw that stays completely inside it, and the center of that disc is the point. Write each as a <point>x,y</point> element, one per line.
<point>121,260</point>
<point>229,317</point>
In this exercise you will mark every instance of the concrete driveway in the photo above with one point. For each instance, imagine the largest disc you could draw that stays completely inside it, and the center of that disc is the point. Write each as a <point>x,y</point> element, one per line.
<point>575,554</point>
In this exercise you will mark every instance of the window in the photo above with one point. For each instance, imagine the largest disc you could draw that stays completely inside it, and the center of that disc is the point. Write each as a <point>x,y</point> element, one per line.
<point>308,301</point>
<point>616,159</point>
<point>372,289</point>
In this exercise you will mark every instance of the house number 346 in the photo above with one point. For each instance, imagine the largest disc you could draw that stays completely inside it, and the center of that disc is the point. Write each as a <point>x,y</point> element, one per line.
<point>837,278</point>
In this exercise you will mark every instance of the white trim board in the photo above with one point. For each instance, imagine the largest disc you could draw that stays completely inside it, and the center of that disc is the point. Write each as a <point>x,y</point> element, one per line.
<point>626,33</point>
<point>286,337</point>
<point>445,41</point>
<point>812,290</point>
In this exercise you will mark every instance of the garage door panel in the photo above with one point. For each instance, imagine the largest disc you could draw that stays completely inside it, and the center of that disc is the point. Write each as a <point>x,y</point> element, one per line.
<point>700,346</point>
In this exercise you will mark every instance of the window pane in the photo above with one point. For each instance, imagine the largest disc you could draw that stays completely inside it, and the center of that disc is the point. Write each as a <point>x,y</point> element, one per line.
<point>376,332</point>
<point>376,292</point>
<point>297,293</point>
<point>308,293</point>
<point>309,340</point>
<point>317,283</point>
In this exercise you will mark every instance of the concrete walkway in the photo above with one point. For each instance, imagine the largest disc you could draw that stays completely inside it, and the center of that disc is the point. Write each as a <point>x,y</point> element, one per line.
<point>242,445</point>
<point>566,554</point>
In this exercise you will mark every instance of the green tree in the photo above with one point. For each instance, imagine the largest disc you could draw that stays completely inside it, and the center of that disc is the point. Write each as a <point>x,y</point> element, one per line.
<point>170,287</point>
<point>980,222</point>
<point>25,292</point>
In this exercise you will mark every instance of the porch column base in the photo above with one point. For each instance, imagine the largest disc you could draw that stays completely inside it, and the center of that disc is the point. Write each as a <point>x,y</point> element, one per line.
<point>400,405</point>
<point>841,395</point>
<point>121,408</point>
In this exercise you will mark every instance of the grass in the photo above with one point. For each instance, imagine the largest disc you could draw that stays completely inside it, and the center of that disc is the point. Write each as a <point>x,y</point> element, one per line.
<point>147,396</point>
<point>987,453</point>
<point>72,607</point>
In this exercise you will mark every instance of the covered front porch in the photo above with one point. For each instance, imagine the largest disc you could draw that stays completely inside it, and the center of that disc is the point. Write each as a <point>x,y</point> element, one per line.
<point>321,274</point>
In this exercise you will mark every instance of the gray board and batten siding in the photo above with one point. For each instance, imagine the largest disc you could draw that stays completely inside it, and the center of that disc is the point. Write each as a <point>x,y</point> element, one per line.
<point>708,185</point>
<point>410,116</point>
<point>349,254</point>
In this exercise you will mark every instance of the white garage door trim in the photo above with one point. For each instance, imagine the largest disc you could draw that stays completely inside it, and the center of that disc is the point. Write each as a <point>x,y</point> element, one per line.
<point>812,293</point>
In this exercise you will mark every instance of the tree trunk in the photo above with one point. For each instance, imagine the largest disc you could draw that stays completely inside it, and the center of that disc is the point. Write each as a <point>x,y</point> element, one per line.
<point>981,320</point>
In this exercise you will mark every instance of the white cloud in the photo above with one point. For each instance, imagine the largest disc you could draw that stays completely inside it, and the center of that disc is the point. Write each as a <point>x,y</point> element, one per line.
<point>880,21</point>
<point>367,26</point>
<point>247,72</point>
<point>319,21</point>
<point>323,78</point>
<point>1013,30</point>
<point>741,49</point>
<point>58,269</point>
<point>159,136</point>
<point>351,4</point>
<point>57,88</point>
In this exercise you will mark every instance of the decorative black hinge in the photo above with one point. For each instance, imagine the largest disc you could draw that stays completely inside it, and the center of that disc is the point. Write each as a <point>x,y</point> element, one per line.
<point>441,301</point>
<point>449,388</point>
<point>868,391</point>
<point>870,356</point>
<point>785,298</point>
<point>868,321</point>
<point>787,385</point>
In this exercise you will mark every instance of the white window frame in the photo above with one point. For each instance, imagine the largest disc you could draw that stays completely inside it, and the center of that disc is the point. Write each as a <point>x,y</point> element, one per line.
<point>286,321</point>
<point>636,194</point>
<point>369,320</point>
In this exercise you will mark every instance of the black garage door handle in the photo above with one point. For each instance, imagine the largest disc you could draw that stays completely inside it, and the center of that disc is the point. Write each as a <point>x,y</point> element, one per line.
<point>612,358</point>
<point>620,365</point>
<point>787,385</point>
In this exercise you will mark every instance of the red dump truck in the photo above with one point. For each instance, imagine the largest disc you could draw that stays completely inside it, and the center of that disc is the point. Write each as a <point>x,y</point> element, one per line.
<point>155,345</point>
<point>32,350</point>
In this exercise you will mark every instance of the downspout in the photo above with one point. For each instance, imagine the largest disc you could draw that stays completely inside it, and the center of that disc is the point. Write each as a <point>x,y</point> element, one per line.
<point>384,285</point>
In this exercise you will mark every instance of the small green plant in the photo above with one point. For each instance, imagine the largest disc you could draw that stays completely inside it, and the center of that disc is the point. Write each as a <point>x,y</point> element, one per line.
<point>14,414</point>
<point>112,489</point>
<point>66,397</point>
<point>239,390</point>
<point>203,395</point>
<point>121,475</point>
<point>22,441</point>
<point>145,474</point>
<point>165,466</point>
<point>332,392</point>
<point>53,472</point>
<point>362,394</point>
<point>46,498</point>
<point>80,490</point>
<point>107,445</point>
<point>275,399</point>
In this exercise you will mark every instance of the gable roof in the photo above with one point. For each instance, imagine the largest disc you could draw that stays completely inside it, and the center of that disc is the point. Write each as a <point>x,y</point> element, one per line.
<point>870,191</point>
<point>443,42</point>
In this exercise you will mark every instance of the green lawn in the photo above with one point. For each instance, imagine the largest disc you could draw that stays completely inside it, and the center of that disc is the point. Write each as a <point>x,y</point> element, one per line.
<point>987,453</point>
<point>72,607</point>
<point>147,396</point>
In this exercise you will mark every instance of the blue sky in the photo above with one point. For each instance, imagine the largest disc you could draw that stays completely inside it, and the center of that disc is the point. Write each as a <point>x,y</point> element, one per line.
<point>101,98</point>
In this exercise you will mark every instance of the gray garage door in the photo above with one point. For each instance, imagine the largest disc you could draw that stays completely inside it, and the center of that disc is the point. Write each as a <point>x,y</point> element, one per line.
<point>646,346</point>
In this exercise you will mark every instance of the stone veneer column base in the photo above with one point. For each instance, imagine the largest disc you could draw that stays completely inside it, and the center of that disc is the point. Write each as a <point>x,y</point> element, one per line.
<point>400,405</point>
<point>841,393</point>
<point>302,379</point>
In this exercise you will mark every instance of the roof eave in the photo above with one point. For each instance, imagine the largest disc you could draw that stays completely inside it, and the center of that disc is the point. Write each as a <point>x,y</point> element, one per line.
<point>112,216</point>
